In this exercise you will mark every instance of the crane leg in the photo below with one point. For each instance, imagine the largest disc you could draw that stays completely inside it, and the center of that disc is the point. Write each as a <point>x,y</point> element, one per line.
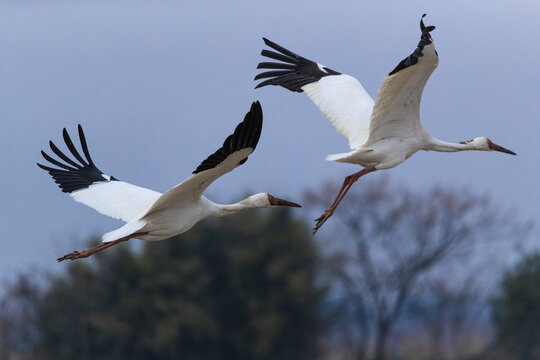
<point>86,253</point>
<point>347,183</point>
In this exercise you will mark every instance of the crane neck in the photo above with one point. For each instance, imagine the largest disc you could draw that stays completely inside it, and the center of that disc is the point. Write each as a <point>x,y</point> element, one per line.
<point>252,202</point>
<point>229,209</point>
<point>445,146</point>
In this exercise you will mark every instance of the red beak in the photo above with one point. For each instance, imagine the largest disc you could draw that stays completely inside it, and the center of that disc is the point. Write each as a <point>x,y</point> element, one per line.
<point>496,147</point>
<point>274,201</point>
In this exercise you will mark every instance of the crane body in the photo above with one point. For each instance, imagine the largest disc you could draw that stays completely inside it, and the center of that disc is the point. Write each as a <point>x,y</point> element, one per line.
<point>150,215</point>
<point>382,133</point>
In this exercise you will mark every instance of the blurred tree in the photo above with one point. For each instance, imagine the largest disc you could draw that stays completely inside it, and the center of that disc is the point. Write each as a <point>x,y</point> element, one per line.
<point>18,319</point>
<point>244,288</point>
<point>516,310</point>
<point>448,320</point>
<point>249,287</point>
<point>388,246</point>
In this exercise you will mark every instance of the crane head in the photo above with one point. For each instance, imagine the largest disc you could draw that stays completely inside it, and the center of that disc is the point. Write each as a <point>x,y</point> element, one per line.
<point>483,143</point>
<point>265,200</point>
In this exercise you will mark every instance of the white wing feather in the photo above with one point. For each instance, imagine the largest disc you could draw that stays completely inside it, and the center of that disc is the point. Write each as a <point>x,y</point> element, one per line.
<point>192,188</point>
<point>396,112</point>
<point>117,199</point>
<point>343,100</point>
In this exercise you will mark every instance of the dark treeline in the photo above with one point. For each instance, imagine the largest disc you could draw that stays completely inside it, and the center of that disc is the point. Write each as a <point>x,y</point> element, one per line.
<point>393,275</point>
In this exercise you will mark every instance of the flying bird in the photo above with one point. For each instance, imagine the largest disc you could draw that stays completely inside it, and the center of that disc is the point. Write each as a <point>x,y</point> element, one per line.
<point>150,215</point>
<point>381,133</point>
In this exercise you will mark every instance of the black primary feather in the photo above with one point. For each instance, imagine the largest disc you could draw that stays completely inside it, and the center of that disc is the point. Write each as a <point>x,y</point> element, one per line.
<point>425,39</point>
<point>295,70</point>
<point>246,135</point>
<point>79,175</point>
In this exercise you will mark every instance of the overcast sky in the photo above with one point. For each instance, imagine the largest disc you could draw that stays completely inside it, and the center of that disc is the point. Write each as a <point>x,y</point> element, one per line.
<point>158,85</point>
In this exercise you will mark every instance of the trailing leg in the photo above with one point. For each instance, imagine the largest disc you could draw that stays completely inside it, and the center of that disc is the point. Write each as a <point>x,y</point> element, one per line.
<point>86,253</point>
<point>347,183</point>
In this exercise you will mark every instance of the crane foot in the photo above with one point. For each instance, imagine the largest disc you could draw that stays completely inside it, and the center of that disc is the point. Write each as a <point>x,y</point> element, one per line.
<point>321,220</point>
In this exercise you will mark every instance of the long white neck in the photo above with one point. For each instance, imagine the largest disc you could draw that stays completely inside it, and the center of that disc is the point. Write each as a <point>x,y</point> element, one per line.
<point>224,210</point>
<point>444,146</point>
<point>252,202</point>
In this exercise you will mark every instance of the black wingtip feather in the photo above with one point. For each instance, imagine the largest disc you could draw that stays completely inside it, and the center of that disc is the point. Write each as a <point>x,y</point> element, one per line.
<point>271,65</point>
<point>63,156</point>
<point>425,39</point>
<point>79,176</point>
<point>56,162</point>
<point>46,168</point>
<point>274,73</point>
<point>72,148</point>
<point>84,145</point>
<point>246,135</point>
<point>280,57</point>
<point>297,70</point>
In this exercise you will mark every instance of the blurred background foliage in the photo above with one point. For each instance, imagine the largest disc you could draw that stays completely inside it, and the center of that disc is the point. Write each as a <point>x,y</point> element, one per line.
<point>516,309</point>
<point>395,274</point>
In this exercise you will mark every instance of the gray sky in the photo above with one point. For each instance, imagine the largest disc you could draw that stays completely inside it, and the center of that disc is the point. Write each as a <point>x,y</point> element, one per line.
<point>158,85</point>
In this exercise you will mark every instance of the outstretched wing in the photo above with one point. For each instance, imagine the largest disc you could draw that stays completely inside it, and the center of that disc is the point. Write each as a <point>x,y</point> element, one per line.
<point>234,152</point>
<point>397,107</point>
<point>86,184</point>
<point>341,98</point>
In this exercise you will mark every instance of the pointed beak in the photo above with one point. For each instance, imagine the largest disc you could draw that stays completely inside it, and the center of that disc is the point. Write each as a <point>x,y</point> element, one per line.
<point>496,147</point>
<point>274,201</point>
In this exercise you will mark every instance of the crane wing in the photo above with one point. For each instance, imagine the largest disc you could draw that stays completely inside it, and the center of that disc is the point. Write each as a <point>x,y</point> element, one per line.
<point>86,184</point>
<point>396,112</point>
<point>341,98</point>
<point>234,152</point>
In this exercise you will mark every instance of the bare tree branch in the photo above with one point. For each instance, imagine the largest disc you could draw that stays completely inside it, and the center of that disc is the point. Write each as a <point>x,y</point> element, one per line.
<point>395,245</point>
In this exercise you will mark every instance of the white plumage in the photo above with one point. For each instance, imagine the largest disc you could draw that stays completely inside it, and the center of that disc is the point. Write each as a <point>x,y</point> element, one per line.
<point>150,215</point>
<point>381,134</point>
<point>117,199</point>
<point>343,100</point>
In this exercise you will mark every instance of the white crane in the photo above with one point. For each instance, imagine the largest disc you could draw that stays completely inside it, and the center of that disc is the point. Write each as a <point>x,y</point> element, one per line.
<point>148,214</point>
<point>381,133</point>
